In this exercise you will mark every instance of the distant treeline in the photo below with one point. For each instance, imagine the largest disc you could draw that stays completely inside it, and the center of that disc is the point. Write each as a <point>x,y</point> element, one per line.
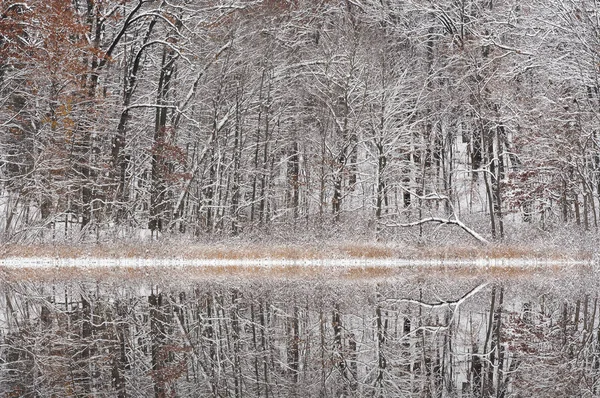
<point>206,118</point>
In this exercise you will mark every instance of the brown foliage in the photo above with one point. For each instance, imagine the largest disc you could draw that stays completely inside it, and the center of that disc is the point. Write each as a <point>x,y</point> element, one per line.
<point>45,35</point>
<point>188,250</point>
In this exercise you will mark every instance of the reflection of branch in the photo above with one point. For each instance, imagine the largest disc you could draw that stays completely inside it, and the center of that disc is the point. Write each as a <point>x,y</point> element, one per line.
<point>454,303</point>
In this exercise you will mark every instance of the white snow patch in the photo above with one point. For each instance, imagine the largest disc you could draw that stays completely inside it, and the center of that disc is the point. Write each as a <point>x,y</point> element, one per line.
<point>48,262</point>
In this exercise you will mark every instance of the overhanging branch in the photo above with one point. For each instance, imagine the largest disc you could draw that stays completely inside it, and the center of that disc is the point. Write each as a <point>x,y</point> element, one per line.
<point>441,220</point>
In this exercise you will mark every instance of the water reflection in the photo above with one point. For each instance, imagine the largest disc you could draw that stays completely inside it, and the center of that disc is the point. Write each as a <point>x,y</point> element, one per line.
<point>409,333</point>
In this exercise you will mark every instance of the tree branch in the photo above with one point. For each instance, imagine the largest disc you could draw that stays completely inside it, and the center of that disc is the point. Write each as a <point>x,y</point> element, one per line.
<point>452,221</point>
<point>440,220</point>
<point>119,35</point>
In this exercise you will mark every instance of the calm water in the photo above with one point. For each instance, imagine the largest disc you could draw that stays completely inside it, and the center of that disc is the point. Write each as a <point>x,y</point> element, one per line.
<point>411,332</point>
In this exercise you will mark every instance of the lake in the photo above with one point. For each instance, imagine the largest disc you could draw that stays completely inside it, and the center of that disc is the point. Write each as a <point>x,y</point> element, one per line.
<point>286,329</point>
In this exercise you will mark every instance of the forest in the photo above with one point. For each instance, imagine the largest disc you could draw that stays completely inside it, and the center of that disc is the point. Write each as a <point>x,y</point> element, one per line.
<point>133,118</point>
<point>214,125</point>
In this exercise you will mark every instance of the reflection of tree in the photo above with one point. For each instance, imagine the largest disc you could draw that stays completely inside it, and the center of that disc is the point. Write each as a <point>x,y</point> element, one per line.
<point>280,338</point>
<point>556,349</point>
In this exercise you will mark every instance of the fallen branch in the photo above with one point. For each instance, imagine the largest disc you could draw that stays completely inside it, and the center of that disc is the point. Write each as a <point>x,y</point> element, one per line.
<point>440,220</point>
<point>452,221</point>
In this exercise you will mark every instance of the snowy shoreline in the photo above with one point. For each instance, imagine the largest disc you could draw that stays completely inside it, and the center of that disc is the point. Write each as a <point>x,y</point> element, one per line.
<point>48,262</point>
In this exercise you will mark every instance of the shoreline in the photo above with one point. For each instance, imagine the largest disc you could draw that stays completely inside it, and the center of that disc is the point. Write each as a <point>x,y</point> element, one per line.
<point>165,271</point>
<point>248,251</point>
<point>48,262</point>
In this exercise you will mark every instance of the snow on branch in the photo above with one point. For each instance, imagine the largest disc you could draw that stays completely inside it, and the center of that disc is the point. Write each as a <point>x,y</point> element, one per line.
<point>24,6</point>
<point>134,106</point>
<point>120,34</point>
<point>441,220</point>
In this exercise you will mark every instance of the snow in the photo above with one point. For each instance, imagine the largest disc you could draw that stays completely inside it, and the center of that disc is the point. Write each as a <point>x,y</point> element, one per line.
<point>48,262</point>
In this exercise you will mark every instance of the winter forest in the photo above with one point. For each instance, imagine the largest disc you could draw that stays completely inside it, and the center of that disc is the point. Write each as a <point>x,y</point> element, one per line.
<point>213,118</point>
<point>174,126</point>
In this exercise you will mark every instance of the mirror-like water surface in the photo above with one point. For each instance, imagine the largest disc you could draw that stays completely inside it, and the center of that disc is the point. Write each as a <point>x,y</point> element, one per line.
<point>286,332</point>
